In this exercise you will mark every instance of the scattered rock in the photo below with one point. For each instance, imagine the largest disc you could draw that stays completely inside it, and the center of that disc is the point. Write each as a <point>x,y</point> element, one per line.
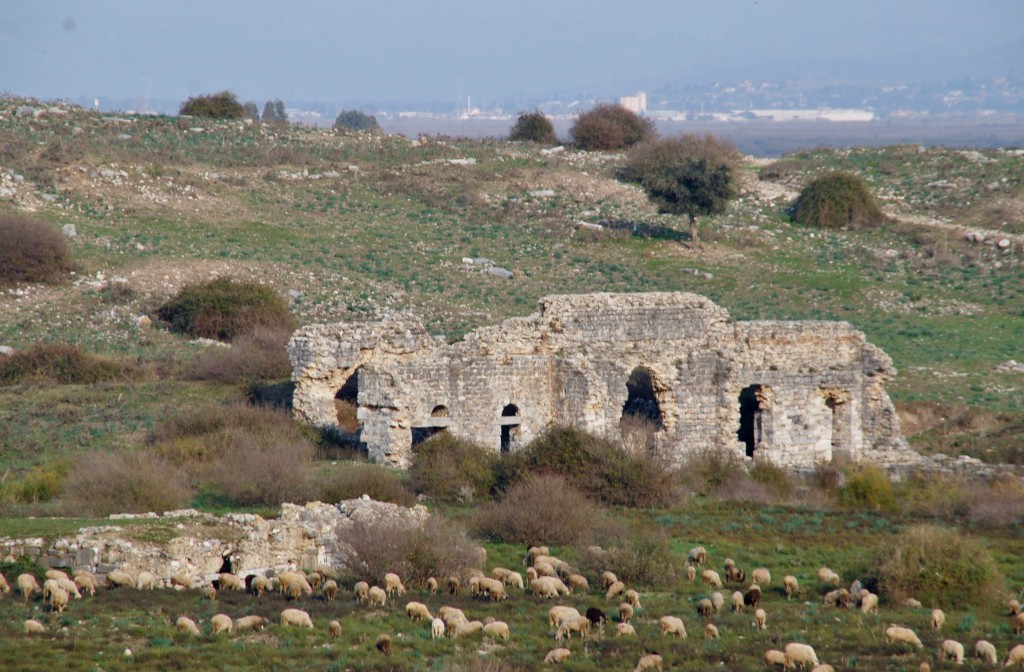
<point>294,293</point>
<point>461,162</point>
<point>1003,243</point>
<point>542,193</point>
<point>6,350</point>
<point>500,272</point>
<point>1010,366</point>
<point>69,230</point>
<point>552,150</point>
<point>973,237</point>
<point>590,226</point>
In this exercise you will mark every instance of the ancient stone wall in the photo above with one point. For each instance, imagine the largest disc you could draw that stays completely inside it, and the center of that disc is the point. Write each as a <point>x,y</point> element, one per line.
<point>795,392</point>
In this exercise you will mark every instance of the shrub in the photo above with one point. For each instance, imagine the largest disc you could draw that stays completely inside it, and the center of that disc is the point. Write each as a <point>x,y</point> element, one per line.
<point>63,364</point>
<point>939,567</point>
<point>351,480</point>
<point>610,127</point>
<point>41,484</point>
<point>713,472</point>
<point>32,251</point>
<point>541,509</point>
<point>354,120</point>
<point>641,556</point>
<point>256,355</point>
<point>437,548</point>
<point>867,488</point>
<point>103,483</point>
<point>774,478</point>
<point>224,309</point>
<point>451,469</point>
<point>222,105</point>
<point>837,201</point>
<point>533,127</point>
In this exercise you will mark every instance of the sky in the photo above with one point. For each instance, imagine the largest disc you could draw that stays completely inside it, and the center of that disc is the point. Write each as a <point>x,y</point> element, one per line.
<point>437,50</point>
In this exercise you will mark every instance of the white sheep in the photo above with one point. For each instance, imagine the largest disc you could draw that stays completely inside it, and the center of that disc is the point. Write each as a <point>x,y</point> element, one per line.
<point>71,587</point>
<point>672,625</point>
<point>649,661</point>
<point>231,582</point>
<point>34,627</point>
<point>296,617</point>
<point>55,574</point>
<point>548,587</point>
<point>467,628</point>
<point>633,598</point>
<point>896,633</point>
<point>330,590</point>
<point>393,584</point>
<point>559,613</point>
<point>316,579</point>
<point>383,644</point>
<point>691,573</point>
<point>86,582</point>
<point>800,655</point>
<point>625,630</point>
<point>869,603</point>
<point>986,651</point>
<point>773,657</point>
<point>210,593</point>
<point>221,623</point>
<point>761,576</point>
<point>333,630</point>
<point>710,631</point>
<point>437,628</point>
<point>499,573</point>
<point>1014,607</point>
<point>575,581</point>
<point>362,591</point>
<point>497,629</point>
<point>179,580</point>
<point>737,602</point>
<point>705,607</point>
<point>535,552</point>
<point>120,579</point>
<point>4,586</point>
<point>938,618</point>
<point>58,600</point>
<point>580,624</point>
<point>377,597</point>
<point>827,576</point>
<point>417,610</point>
<point>145,581</point>
<point>557,656</point>
<point>824,667</point>
<point>432,585</point>
<point>625,612</point>
<point>760,619</point>
<point>697,556</point>
<point>493,589</point>
<point>249,623</point>
<point>186,625</point>
<point>717,601</point>
<point>710,577</point>
<point>614,590</point>
<point>791,585</point>
<point>1015,657</point>
<point>952,650</point>
<point>545,568</point>
<point>49,586</point>
<point>607,579</point>
<point>27,584</point>
<point>514,580</point>
<point>451,614</point>
<point>292,583</point>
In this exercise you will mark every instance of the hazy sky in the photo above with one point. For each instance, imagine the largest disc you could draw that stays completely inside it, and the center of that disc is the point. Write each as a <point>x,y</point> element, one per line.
<point>431,50</point>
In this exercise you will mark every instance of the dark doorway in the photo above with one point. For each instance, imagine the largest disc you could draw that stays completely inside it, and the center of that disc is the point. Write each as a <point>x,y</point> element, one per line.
<point>509,427</point>
<point>640,399</point>
<point>421,434</point>
<point>346,405</point>
<point>752,417</point>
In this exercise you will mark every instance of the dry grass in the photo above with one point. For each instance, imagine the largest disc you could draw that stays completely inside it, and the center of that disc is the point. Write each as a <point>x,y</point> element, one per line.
<point>32,251</point>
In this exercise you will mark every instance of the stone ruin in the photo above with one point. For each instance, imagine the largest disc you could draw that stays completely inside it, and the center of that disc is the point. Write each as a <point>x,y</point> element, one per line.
<point>795,392</point>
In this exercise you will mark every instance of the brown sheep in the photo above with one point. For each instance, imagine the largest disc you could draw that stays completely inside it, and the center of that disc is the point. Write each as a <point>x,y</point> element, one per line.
<point>334,630</point>
<point>384,644</point>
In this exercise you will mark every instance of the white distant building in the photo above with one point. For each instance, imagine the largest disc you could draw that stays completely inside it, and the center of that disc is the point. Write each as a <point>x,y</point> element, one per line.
<point>636,104</point>
<point>822,114</point>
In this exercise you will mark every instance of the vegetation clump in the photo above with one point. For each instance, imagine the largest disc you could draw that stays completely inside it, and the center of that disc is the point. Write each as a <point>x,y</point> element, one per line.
<point>838,200</point>
<point>450,469</point>
<point>135,482</point>
<point>32,251</point>
<point>867,488</point>
<point>610,127</point>
<point>62,364</point>
<point>222,105</point>
<point>355,120</point>
<point>533,127</point>
<point>224,309</point>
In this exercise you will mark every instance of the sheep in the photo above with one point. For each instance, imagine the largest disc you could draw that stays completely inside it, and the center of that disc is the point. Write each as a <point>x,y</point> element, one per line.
<point>710,577</point>
<point>895,633</point>
<point>451,614</point>
<point>578,581</point>
<point>578,624</point>
<point>333,630</point>
<point>1015,657</point>
<point>232,582</point>
<point>361,591</point>
<point>704,607</point>
<point>633,598</point>
<point>431,585</point>
<point>548,587</point>
<point>824,667</point>
<point>649,661</point>
<point>453,585</point>
<point>179,580</point>
<point>34,627</point>
<point>493,589</point>
<point>55,574</point>
<point>4,586</point>
<point>437,628</point>
<point>717,601</point>
<point>727,563</point>
<point>377,597</point>
<point>697,556</point>
<point>1019,620</point>
<point>315,579</point>
<point>246,623</point>
<point>497,629</point>
<point>210,593</point>
<point>383,644</point>
<point>734,575</point>
<point>710,631</point>
<point>58,600</point>
<point>985,650</point>
<point>466,628</point>
<point>799,655</point>
<point>49,586</point>
<point>737,602</point>
<point>145,581</point>
<point>531,574</point>
<point>773,657</point>
<point>120,579</point>
<point>911,603</point>
<point>607,579</point>
<point>292,583</point>
<point>557,656</point>
<point>330,590</point>
<point>791,585</point>
<point>393,584</point>
<point>514,580</point>
<point>614,590</point>
<point>952,650</point>
<point>827,576</point>
<point>70,586</point>
<point>417,610</point>
<point>1014,607</point>
<point>27,584</point>
<point>625,630</point>
<point>671,625</point>
<point>545,569</point>
<point>296,617</point>
<point>691,573</point>
<point>558,613</point>
<point>752,597</point>
<point>761,576</point>
<point>596,617</point>
<point>500,573</point>
<point>186,625</point>
<point>938,618</point>
<point>625,612</point>
<point>836,598</point>
<point>221,623</point>
<point>86,582</point>
<point>760,619</point>
<point>869,603</point>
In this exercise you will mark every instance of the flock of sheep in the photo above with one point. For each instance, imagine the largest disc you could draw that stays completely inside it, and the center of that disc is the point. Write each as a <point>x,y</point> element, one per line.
<point>546,576</point>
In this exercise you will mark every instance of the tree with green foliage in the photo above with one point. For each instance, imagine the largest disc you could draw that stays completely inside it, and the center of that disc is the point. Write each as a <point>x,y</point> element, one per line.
<point>610,127</point>
<point>354,120</point>
<point>222,105</point>
<point>533,127</point>
<point>837,201</point>
<point>688,175</point>
<point>251,110</point>
<point>273,112</point>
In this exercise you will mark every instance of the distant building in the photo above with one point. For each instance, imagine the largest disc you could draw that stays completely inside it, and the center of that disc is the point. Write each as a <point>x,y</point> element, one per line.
<point>636,104</point>
<point>822,114</point>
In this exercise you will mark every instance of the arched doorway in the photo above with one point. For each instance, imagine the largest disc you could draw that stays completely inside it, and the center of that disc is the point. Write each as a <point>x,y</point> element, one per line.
<point>755,417</point>
<point>346,405</point>
<point>641,419</point>
<point>438,422</point>
<point>510,422</point>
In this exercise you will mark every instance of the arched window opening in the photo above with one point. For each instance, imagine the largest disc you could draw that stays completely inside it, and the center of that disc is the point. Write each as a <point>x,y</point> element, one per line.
<point>755,417</point>
<point>439,412</point>
<point>509,428</point>
<point>837,402</point>
<point>437,423</point>
<point>641,402</point>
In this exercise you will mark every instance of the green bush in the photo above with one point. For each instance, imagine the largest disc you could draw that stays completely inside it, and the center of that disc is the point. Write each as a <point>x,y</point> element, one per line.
<point>837,201</point>
<point>610,127</point>
<point>713,472</point>
<point>451,469</point>
<point>533,127</point>
<point>32,251</point>
<point>939,567</point>
<point>135,482</point>
<point>867,488</point>
<point>640,556</point>
<point>41,484</point>
<point>222,105</point>
<point>259,354</point>
<point>63,364</point>
<point>224,309</point>
<point>354,120</point>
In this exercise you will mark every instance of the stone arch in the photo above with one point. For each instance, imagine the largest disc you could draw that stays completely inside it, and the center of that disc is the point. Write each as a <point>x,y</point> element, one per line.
<point>642,421</point>
<point>439,411</point>
<point>838,402</point>
<point>510,422</point>
<point>437,423</point>
<point>755,428</point>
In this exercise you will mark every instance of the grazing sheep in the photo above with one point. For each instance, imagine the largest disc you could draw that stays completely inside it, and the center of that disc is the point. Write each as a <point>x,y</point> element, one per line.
<point>633,598</point>
<point>1015,657</point>
<point>710,577</point>
<point>836,598</point>
<point>330,590</point>
<point>453,585</point>
<point>911,603</point>
<point>827,576</point>
<point>614,590</point>
<point>717,601</point>
<point>417,610</point>
<point>377,597</point>
<point>578,581</point>
<point>232,582</point>
<point>710,631</point>
<point>952,650</point>
<point>895,633</point>
<point>548,587</point>
<point>691,573</point>
<point>70,586</point>
<point>558,613</point>
<point>362,591</point>
<point>735,575</point>
<point>727,563</point>
<point>221,623</point>
<point>315,579</point>
<point>578,624</point>
<point>296,617</point>
<point>246,623</point>
<point>869,603</point>
<point>437,628</point>
<point>773,657</point>
<point>292,583</point>
<point>671,625</point>
<point>545,568</point>
<point>86,582</point>
<point>1014,607</point>
<point>557,656</point>
<point>533,552</point>
<point>49,586</point>
<point>649,661</point>
<point>1019,620</point>
<point>791,585</point>
<point>333,630</point>
<point>393,584</point>
<point>531,574</point>
<point>924,667</point>
<point>210,593</point>
<point>466,628</point>
<point>697,556</point>
<point>986,651</point>
<point>761,576</point>
<point>760,619</point>
<point>824,667</point>
<point>514,580</point>
<point>938,618</point>
<point>625,630</point>
<point>752,597</point>
<point>800,655</point>
<point>187,626</point>
<point>452,614</point>
<point>499,573</point>
<point>493,589</point>
<point>120,579</point>
<point>384,644</point>
<point>58,600</point>
<point>431,585</point>
<point>55,574</point>
<point>34,627</point>
<point>596,617</point>
<point>497,629</point>
<point>145,581</point>
<point>179,580</point>
<point>625,612</point>
<point>607,579</point>
<point>737,602</point>
<point>704,607</point>
<point>27,584</point>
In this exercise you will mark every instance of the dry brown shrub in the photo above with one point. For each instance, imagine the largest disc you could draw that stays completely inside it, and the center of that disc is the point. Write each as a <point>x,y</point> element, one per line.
<point>258,354</point>
<point>103,483</point>
<point>64,364</point>
<point>351,479</point>
<point>32,251</point>
<point>639,555</point>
